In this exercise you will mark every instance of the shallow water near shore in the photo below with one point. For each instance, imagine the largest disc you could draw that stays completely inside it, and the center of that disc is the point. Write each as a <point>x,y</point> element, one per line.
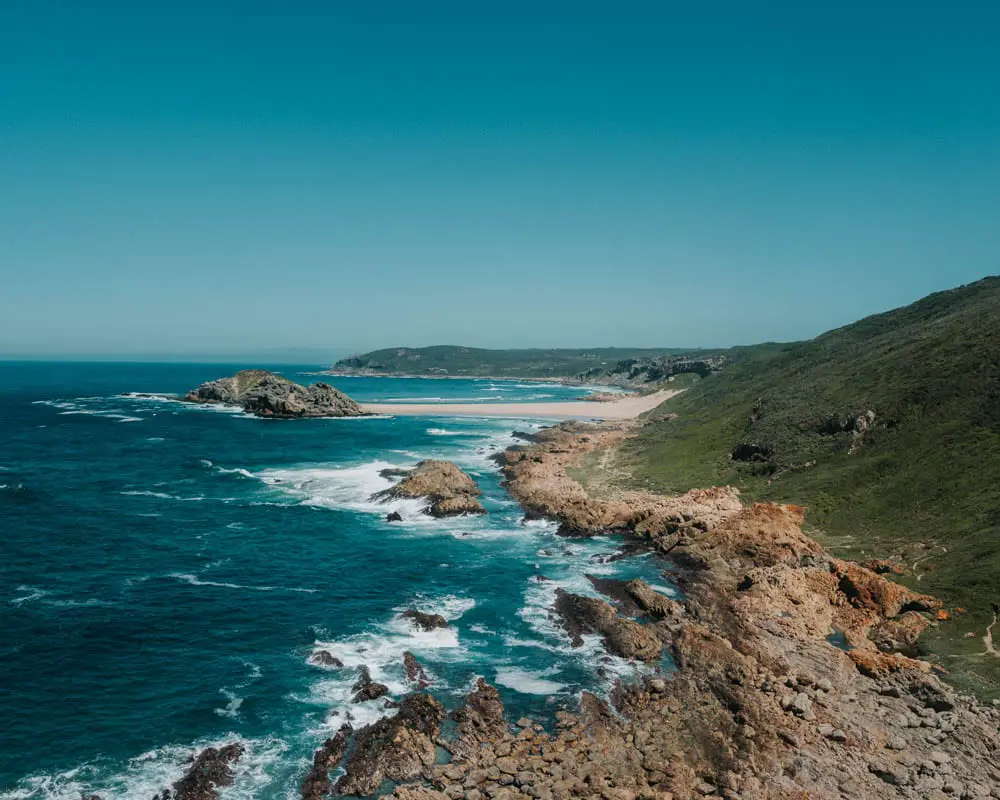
<point>168,569</point>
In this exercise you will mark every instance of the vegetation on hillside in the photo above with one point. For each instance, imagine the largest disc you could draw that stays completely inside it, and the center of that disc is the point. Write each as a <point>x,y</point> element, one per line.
<point>888,430</point>
<point>455,361</point>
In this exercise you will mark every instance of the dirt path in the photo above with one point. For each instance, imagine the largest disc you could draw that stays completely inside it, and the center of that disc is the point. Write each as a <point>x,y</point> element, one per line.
<point>988,639</point>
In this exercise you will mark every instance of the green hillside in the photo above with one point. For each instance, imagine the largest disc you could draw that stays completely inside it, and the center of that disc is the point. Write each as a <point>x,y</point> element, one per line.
<point>888,430</point>
<point>455,361</point>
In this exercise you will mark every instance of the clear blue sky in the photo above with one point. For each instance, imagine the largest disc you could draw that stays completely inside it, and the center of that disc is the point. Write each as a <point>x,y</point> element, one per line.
<point>223,176</point>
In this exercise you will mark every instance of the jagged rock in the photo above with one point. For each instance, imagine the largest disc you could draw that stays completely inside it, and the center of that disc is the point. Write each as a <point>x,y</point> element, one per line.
<point>623,637</point>
<point>317,784</point>
<point>393,516</point>
<point>265,394</point>
<point>448,490</point>
<point>395,748</point>
<point>426,621</point>
<point>415,672</point>
<point>636,597</point>
<point>366,689</point>
<point>211,769</point>
<point>324,658</point>
<point>480,720</point>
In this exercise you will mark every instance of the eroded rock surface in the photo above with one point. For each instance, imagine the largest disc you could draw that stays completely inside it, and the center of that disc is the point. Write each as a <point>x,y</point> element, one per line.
<point>425,621</point>
<point>327,758</point>
<point>211,769</point>
<point>449,491</point>
<point>762,705</point>
<point>536,477</point>
<point>396,748</point>
<point>265,394</point>
<point>622,637</point>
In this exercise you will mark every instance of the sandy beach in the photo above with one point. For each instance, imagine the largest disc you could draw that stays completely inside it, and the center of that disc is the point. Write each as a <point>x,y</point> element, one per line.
<point>626,408</point>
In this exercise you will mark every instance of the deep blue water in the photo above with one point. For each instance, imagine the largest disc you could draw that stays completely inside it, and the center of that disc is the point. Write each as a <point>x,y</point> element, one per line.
<point>166,570</point>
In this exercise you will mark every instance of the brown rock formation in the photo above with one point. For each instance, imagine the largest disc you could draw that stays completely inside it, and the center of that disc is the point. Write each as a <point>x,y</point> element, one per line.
<point>395,748</point>
<point>327,758</point>
<point>536,477</point>
<point>623,637</point>
<point>761,707</point>
<point>210,770</point>
<point>265,394</point>
<point>427,622</point>
<point>448,490</point>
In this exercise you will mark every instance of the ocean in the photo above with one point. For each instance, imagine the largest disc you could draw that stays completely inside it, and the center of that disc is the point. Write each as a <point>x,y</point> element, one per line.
<point>166,570</point>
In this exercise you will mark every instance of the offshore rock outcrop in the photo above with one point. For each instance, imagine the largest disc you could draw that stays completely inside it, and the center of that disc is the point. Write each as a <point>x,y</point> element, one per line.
<point>211,769</point>
<point>265,394</point>
<point>449,491</point>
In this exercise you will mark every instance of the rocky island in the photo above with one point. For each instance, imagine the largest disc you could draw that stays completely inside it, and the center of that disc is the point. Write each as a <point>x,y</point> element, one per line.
<point>265,394</point>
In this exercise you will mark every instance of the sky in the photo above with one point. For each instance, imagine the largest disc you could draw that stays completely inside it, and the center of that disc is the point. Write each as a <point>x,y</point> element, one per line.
<point>224,176</point>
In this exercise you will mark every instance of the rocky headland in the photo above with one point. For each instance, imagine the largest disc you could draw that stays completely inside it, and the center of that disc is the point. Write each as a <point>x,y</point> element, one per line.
<point>449,491</point>
<point>794,673</point>
<point>265,394</point>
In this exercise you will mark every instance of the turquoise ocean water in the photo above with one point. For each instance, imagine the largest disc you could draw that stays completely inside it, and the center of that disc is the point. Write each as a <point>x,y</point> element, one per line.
<point>166,570</point>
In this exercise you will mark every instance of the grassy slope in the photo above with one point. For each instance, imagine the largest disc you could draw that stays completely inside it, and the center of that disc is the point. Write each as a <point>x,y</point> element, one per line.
<point>458,361</point>
<point>923,484</point>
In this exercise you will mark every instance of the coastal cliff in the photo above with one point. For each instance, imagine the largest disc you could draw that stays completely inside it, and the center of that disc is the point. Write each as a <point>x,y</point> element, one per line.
<point>265,394</point>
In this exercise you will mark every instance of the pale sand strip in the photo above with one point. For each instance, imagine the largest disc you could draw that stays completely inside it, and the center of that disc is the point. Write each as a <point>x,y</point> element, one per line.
<point>626,408</point>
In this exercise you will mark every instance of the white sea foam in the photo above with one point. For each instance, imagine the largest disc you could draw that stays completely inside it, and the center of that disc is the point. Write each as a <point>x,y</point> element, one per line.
<point>194,580</point>
<point>234,699</point>
<point>381,651</point>
<point>571,565</point>
<point>160,495</point>
<point>235,471</point>
<point>90,412</point>
<point>28,595</point>
<point>446,432</point>
<point>151,772</point>
<point>177,402</point>
<point>349,488</point>
<point>528,682</point>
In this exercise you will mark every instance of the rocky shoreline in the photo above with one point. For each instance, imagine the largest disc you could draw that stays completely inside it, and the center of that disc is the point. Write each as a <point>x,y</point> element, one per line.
<point>795,675</point>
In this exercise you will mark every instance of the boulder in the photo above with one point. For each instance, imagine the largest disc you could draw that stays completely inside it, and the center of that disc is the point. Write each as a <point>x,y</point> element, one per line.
<point>448,490</point>
<point>426,621</point>
<point>265,394</point>
<point>415,672</point>
<point>324,658</point>
<point>366,689</point>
